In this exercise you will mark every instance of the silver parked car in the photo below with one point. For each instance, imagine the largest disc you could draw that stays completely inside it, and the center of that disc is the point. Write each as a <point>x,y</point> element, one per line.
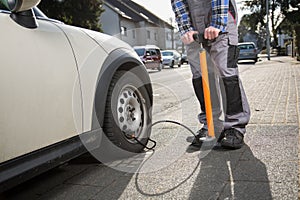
<point>171,58</point>
<point>248,51</point>
<point>60,84</point>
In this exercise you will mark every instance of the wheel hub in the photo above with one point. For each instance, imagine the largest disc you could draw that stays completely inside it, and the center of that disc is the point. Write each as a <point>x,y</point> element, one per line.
<point>130,117</point>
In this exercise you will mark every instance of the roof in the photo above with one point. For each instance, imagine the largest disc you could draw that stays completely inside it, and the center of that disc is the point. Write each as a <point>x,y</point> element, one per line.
<point>135,12</point>
<point>123,10</point>
<point>146,46</point>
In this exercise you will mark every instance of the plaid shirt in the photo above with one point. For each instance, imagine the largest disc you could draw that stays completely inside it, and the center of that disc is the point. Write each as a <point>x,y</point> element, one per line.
<point>219,15</point>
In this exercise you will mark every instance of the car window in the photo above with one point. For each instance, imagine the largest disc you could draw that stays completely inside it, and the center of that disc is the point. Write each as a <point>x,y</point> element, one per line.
<point>153,52</point>
<point>242,46</point>
<point>140,52</point>
<point>157,51</point>
<point>167,53</point>
<point>246,46</point>
<point>250,46</point>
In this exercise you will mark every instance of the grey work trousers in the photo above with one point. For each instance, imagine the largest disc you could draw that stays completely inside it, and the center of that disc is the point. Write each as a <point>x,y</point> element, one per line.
<point>222,67</point>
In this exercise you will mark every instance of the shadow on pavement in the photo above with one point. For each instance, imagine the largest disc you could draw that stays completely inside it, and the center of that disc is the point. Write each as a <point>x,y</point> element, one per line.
<point>220,174</point>
<point>81,178</point>
<point>231,174</point>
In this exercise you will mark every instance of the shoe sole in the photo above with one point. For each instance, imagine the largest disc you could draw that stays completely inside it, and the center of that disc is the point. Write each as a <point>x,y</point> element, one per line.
<point>231,146</point>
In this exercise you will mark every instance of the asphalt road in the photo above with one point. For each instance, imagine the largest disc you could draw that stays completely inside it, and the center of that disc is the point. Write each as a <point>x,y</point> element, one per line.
<point>265,168</point>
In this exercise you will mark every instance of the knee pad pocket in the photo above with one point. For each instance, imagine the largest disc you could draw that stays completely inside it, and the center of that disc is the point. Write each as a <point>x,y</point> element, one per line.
<point>233,95</point>
<point>232,56</point>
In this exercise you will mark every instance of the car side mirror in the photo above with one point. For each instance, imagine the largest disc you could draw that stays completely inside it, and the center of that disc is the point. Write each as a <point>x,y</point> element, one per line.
<point>21,11</point>
<point>20,5</point>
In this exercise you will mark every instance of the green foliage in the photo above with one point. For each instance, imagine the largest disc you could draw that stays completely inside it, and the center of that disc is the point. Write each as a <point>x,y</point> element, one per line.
<point>251,23</point>
<point>82,13</point>
<point>258,9</point>
<point>3,5</point>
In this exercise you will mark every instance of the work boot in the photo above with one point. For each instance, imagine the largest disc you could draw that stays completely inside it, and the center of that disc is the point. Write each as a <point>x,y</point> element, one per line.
<point>200,137</point>
<point>231,139</point>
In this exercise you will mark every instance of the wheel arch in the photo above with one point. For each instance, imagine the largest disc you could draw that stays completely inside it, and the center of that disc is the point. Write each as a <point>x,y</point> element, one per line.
<point>117,60</point>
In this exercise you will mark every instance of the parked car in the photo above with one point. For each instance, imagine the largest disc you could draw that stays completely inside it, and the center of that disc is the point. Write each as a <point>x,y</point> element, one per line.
<point>63,89</point>
<point>171,58</point>
<point>248,51</point>
<point>150,56</point>
<point>184,59</point>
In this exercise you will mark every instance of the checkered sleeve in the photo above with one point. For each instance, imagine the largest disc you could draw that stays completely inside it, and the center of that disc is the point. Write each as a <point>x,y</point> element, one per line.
<point>180,9</point>
<point>220,14</point>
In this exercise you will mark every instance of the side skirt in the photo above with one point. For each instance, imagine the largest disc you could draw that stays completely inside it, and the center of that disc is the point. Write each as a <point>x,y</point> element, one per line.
<point>25,167</point>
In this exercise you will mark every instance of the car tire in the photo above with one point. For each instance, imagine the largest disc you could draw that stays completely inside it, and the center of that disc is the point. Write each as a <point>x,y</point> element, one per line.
<point>172,64</point>
<point>127,112</point>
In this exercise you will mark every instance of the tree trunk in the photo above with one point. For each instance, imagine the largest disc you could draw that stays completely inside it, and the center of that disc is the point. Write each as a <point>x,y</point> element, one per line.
<point>297,31</point>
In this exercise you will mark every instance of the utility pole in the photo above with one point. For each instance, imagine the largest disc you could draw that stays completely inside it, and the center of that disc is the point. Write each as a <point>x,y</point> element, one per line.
<point>172,32</point>
<point>268,31</point>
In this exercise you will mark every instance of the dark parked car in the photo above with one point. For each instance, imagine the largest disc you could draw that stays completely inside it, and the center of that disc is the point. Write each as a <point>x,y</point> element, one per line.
<point>184,59</point>
<point>248,51</point>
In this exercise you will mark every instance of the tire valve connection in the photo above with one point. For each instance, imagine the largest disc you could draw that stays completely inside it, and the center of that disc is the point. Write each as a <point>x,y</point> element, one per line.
<point>129,135</point>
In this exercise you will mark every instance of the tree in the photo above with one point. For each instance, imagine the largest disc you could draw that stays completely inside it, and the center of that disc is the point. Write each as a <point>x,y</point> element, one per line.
<point>258,9</point>
<point>289,10</point>
<point>250,28</point>
<point>253,23</point>
<point>246,25</point>
<point>82,13</point>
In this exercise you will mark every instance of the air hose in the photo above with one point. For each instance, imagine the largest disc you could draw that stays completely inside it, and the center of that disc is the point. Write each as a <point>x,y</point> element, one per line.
<point>198,37</point>
<point>158,122</point>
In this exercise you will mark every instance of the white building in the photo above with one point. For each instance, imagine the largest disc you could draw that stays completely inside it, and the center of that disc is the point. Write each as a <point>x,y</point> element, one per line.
<point>136,25</point>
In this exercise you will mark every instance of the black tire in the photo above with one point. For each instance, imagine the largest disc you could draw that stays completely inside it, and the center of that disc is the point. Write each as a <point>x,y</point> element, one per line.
<point>172,64</point>
<point>127,112</point>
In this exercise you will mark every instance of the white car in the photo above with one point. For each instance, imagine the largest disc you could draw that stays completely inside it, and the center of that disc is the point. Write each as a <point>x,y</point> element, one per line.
<point>62,89</point>
<point>171,58</point>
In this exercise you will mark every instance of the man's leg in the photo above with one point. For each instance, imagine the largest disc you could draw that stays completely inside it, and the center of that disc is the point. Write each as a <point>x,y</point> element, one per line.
<point>236,108</point>
<point>194,61</point>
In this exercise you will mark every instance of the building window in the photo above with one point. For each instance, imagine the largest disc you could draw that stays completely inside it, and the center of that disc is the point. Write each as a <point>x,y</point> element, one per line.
<point>133,33</point>
<point>148,34</point>
<point>123,30</point>
<point>155,36</point>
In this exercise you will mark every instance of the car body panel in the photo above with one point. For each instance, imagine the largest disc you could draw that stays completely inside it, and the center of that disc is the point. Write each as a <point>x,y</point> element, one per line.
<point>82,72</point>
<point>89,63</point>
<point>87,46</point>
<point>40,90</point>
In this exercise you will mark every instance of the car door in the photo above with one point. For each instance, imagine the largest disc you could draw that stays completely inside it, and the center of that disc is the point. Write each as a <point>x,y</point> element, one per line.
<point>38,73</point>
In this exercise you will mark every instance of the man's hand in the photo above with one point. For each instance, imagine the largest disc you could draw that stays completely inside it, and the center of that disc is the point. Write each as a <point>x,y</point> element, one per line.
<point>187,38</point>
<point>211,33</point>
